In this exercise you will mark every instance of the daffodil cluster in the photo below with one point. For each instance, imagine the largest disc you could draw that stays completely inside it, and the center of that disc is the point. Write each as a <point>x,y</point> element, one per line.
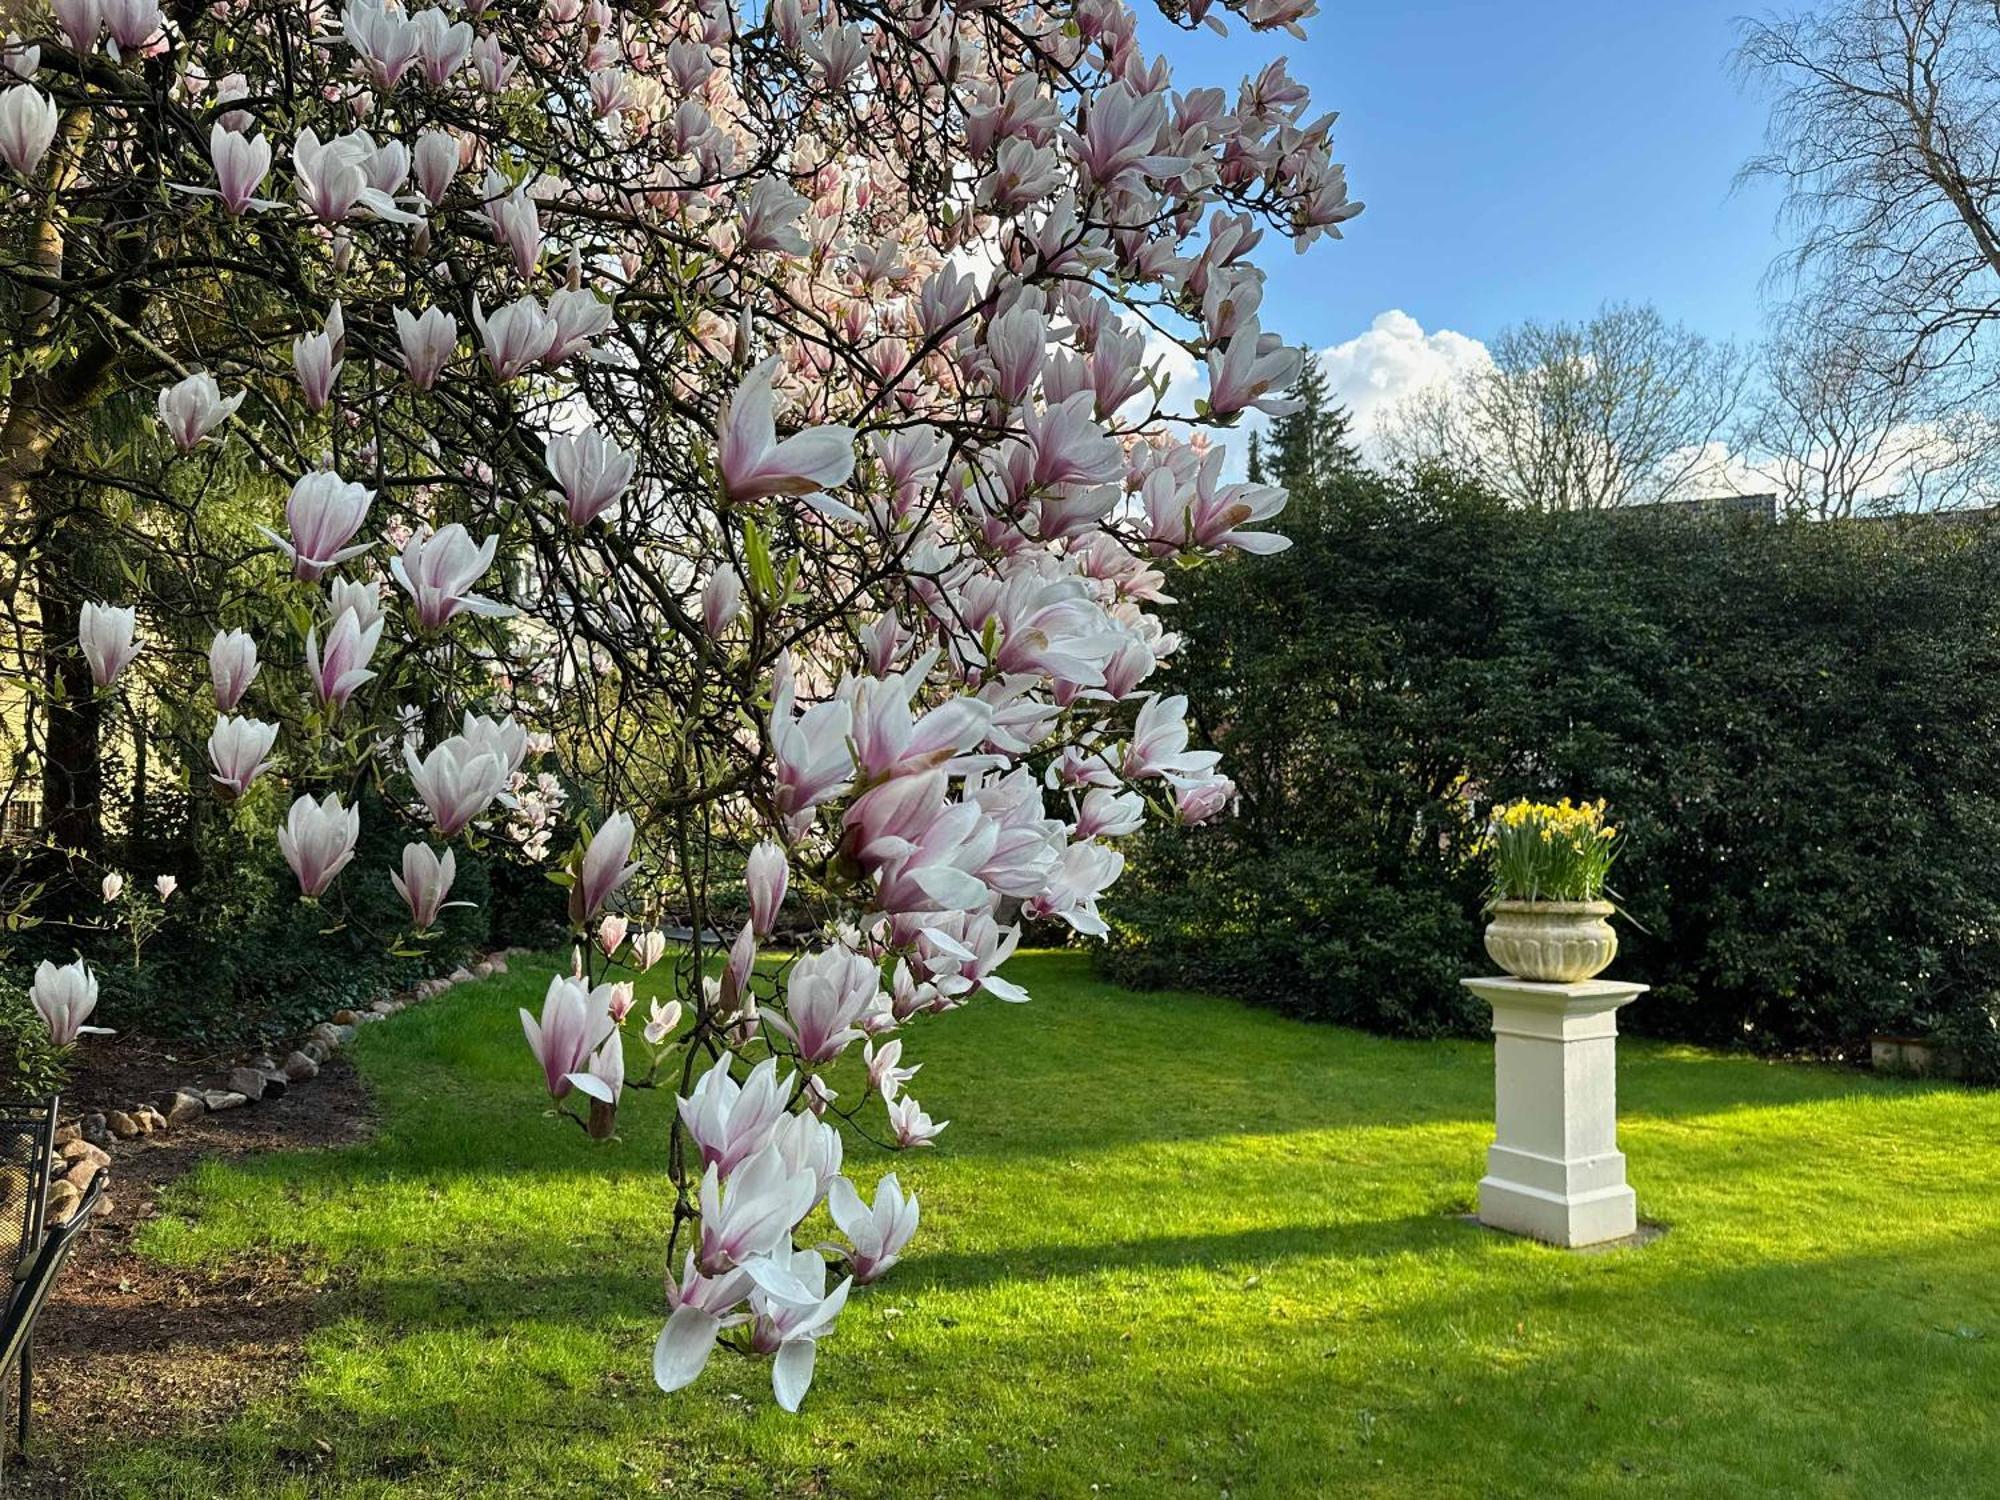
<point>1551,851</point>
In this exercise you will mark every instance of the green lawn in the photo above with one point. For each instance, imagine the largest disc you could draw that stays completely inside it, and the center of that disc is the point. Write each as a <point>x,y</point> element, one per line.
<point>1170,1246</point>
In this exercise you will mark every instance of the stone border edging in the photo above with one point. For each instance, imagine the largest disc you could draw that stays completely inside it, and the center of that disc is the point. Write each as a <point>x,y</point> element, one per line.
<point>83,1145</point>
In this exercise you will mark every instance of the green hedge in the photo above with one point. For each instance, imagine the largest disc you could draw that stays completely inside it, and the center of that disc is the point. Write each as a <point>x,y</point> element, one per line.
<point>1796,723</point>
<point>240,959</point>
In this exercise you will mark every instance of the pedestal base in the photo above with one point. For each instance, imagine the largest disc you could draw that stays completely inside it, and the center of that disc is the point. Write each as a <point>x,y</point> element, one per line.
<point>1554,1171</point>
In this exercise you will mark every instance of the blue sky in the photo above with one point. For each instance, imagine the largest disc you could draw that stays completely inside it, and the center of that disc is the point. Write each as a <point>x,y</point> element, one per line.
<point>1528,159</point>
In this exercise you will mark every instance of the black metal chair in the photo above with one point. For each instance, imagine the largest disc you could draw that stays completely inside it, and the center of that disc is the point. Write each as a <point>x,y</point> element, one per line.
<point>27,1161</point>
<point>17,1327</point>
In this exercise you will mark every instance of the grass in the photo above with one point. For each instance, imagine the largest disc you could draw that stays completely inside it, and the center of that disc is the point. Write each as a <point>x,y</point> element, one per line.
<point>1170,1246</point>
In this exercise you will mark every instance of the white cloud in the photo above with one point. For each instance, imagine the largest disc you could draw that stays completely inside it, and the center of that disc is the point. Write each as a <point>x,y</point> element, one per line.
<point>1395,358</point>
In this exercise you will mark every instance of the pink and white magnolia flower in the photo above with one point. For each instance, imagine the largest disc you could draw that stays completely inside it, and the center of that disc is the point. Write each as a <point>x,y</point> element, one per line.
<point>766,874</point>
<point>910,1125</point>
<point>193,408</point>
<point>878,1234</point>
<point>1246,370</point>
<point>427,343</point>
<point>333,178</point>
<point>731,1122</point>
<point>812,760</point>
<point>436,160</point>
<point>134,25</point>
<point>457,781</point>
<point>232,667</point>
<point>791,1311</point>
<point>661,1020</point>
<point>64,998</point>
<point>721,601</point>
<point>239,749</point>
<point>1201,801</point>
<point>516,337</point>
<point>165,885</point>
<point>1159,744</point>
<point>318,840</point>
<point>438,569</point>
<point>701,1310</point>
<point>105,632</point>
<point>79,21</point>
<point>755,465</point>
<point>112,886</point>
<point>593,472</point>
<point>317,358</point>
<point>827,994</point>
<point>611,933</point>
<point>810,1145</point>
<point>603,1077</point>
<point>323,513</point>
<point>605,867</point>
<point>341,667</point>
<point>27,128</point>
<point>241,165</point>
<point>753,1213</point>
<point>648,948</point>
<point>884,1076</point>
<point>424,882</point>
<point>573,1025</point>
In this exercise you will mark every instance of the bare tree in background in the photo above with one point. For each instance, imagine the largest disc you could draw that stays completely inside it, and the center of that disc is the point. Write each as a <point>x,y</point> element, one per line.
<point>1581,416</point>
<point>1885,133</point>
<point>1841,425</point>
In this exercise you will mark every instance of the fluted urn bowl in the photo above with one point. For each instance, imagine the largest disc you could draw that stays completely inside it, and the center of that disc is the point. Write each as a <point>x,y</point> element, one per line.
<point>1554,942</point>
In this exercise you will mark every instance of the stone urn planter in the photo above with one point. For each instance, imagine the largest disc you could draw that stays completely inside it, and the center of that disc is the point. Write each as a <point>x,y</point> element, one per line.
<point>1552,942</point>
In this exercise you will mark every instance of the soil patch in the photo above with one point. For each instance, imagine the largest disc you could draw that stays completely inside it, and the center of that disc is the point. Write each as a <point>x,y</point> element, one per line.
<point>128,1348</point>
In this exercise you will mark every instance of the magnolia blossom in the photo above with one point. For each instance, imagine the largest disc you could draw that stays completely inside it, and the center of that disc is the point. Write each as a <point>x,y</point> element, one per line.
<point>721,601</point>
<point>754,1213</point>
<point>884,1076</point>
<point>573,1025</point>
<point>593,472</point>
<point>516,337</point>
<point>611,933</point>
<point>766,875</point>
<point>438,570</point>
<point>878,1234</point>
<point>424,882</point>
<point>239,749</point>
<point>112,886</point>
<point>241,165</point>
<point>648,948</point>
<point>427,343</point>
<point>342,666</point>
<point>105,632</point>
<point>64,998</point>
<point>232,667</point>
<point>193,408</point>
<point>604,867</point>
<point>323,513</point>
<point>661,1021</point>
<point>755,464</point>
<point>27,127</point>
<point>790,1316</point>
<point>603,1078</point>
<point>827,994</point>
<point>318,840</point>
<point>317,358</point>
<point>910,1125</point>
<point>731,1122</point>
<point>457,781</point>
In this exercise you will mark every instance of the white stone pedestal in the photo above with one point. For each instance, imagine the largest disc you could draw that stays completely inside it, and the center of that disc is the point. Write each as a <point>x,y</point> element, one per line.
<point>1555,1171</point>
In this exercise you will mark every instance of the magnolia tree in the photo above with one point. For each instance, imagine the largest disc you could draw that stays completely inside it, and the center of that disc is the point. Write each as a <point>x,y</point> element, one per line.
<point>748,424</point>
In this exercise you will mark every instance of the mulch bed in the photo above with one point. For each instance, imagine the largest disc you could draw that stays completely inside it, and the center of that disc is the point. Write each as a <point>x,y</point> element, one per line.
<point>130,1349</point>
